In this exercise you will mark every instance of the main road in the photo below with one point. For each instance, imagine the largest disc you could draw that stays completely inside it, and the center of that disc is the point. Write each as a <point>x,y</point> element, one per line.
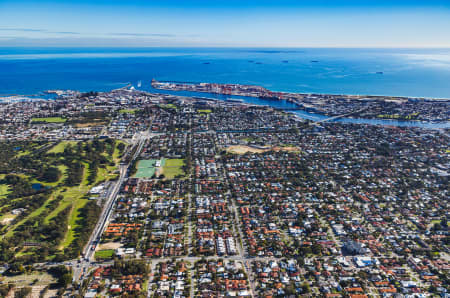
<point>88,253</point>
<point>80,269</point>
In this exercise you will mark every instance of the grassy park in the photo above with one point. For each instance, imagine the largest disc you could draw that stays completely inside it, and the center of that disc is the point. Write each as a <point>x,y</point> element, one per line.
<point>168,106</point>
<point>173,168</point>
<point>49,120</point>
<point>104,254</point>
<point>128,111</point>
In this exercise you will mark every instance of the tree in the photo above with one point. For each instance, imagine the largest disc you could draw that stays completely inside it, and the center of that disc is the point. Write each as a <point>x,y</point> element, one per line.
<point>100,288</point>
<point>22,292</point>
<point>65,280</point>
<point>432,289</point>
<point>74,173</point>
<point>290,290</point>
<point>121,147</point>
<point>16,268</point>
<point>51,174</point>
<point>5,289</point>
<point>306,288</point>
<point>316,249</point>
<point>63,274</point>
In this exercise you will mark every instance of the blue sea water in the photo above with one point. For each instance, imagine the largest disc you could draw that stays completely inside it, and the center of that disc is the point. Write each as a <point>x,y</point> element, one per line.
<point>395,72</point>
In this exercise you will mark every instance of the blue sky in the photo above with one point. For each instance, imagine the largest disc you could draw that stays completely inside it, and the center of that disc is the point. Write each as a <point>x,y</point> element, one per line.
<point>263,23</point>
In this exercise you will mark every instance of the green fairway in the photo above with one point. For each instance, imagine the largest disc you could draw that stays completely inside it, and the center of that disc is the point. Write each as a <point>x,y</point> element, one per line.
<point>62,169</point>
<point>62,196</point>
<point>117,155</point>
<point>4,190</point>
<point>104,254</point>
<point>204,111</point>
<point>173,168</point>
<point>23,153</point>
<point>49,120</point>
<point>74,196</point>
<point>33,214</point>
<point>74,217</point>
<point>58,148</point>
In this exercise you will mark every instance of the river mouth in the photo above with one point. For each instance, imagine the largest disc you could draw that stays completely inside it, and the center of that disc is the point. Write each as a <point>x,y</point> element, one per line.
<point>277,104</point>
<point>288,106</point>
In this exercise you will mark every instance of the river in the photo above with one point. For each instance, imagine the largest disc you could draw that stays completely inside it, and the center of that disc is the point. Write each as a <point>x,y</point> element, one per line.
<point>282,104</point>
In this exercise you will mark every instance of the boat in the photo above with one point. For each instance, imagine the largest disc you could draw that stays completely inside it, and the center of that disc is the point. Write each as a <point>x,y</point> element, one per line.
<point>314,61</point>
<point>379,72</point>
<point>139,84</point>
<point>206,63</point>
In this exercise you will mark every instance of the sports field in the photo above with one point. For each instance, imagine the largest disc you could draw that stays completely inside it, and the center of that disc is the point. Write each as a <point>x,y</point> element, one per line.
<point>128,111</point>
<point>173,168</point>
<point>146,168</point>
<point>49,120</point>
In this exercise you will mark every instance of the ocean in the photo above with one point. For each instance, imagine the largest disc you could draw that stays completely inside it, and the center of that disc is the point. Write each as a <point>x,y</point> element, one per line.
<point>394,72</point>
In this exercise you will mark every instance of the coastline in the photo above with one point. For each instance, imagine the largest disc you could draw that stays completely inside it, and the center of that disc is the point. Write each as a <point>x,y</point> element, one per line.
<point>330,105</point>
<point>350,72</point>
<point>295,108</point>
<point>374,96</point>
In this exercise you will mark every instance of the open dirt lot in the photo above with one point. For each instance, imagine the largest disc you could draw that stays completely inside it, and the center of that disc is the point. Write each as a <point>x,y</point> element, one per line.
<point>242,149</point>
<point>109,245</point>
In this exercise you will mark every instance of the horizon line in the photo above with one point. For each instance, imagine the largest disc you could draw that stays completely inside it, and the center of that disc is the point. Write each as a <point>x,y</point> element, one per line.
<point>228,47</point>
